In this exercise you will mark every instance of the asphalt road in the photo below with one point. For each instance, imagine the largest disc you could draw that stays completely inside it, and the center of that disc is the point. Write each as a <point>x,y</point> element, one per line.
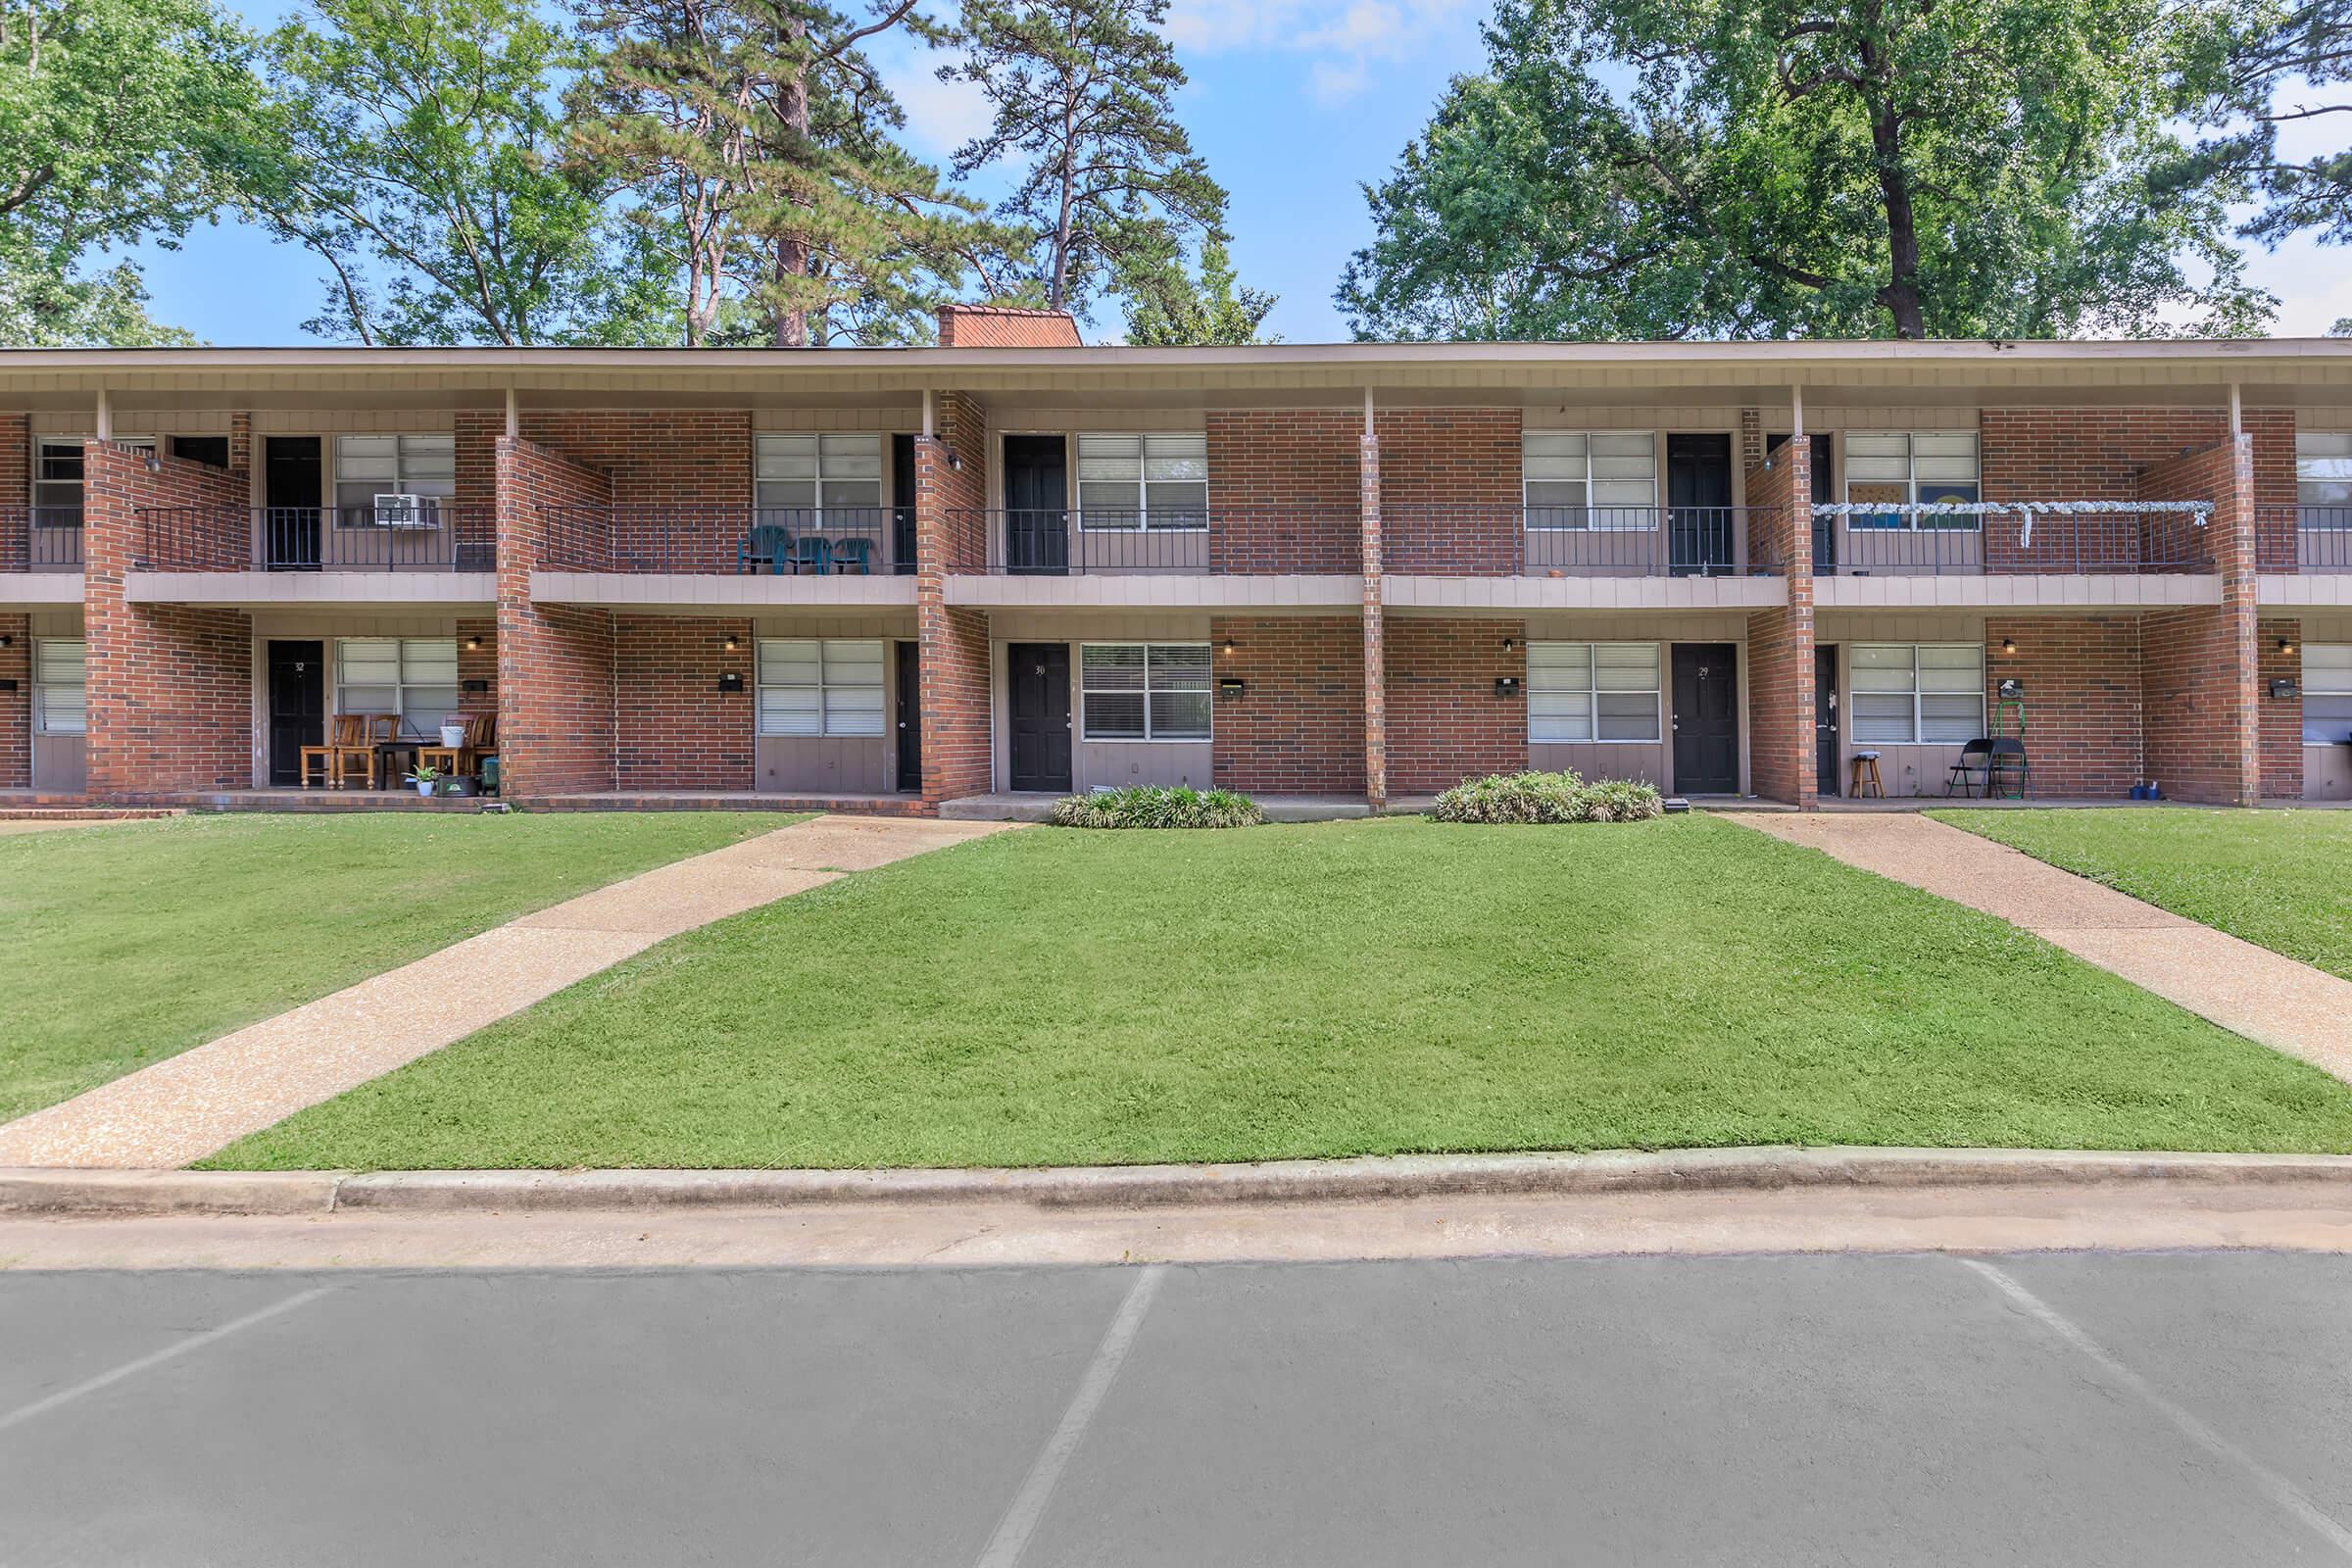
<point>2064,1408</point>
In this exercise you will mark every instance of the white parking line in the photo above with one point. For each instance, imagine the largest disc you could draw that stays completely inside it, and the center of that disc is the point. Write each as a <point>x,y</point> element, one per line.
<point>1028,1505</point>
<point>2273,1485</point>
<point>194,1341</point>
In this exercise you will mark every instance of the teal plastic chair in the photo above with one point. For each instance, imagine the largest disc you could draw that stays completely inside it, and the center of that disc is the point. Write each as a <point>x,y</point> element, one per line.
<point>766,544</point>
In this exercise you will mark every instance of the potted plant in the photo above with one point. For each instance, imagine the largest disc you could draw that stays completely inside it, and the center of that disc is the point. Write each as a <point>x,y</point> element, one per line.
<point>424,778</point>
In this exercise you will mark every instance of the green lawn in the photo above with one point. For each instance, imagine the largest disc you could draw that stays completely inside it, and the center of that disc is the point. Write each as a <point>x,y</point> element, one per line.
<point>1060,995</point>
<point>2280,880</point>
<point>127,944</point>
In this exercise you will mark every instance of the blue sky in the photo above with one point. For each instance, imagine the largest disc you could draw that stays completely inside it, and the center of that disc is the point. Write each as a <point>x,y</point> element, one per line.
<point>1295,102</point>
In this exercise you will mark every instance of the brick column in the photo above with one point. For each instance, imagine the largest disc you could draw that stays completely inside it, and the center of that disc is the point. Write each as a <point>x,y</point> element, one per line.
<point>950,535</point>
<point>2282,722</point>
<point>555,693</point>
<point>169,687</point>
<point>16,491</point>
<point>1780,640</point>
<point>1376,698</point>
<point>16,705</point>
<point>2201,669</point>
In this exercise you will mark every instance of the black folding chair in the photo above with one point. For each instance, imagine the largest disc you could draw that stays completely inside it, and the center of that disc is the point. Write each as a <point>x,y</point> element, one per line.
<point>1974,768</point>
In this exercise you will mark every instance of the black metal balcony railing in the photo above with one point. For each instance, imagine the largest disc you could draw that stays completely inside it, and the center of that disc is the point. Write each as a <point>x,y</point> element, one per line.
<point>435,538</point>
<point>711,541</point>
<point>1067,541</point>
<point>1577,541</point>
<point>2303,539</point>
<point>40,538</point>
<point>2006,545</point>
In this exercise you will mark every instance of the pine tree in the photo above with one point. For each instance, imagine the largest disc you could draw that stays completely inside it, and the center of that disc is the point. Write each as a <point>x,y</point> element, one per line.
<point>1085,91</point>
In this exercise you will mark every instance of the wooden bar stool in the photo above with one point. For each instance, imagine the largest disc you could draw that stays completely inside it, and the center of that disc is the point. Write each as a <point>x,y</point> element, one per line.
<point>1866,782</point>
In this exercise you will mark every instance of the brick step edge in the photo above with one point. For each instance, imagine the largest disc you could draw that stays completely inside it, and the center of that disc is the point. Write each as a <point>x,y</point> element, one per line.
<point>85,813</point>
<point>1303,1180</point>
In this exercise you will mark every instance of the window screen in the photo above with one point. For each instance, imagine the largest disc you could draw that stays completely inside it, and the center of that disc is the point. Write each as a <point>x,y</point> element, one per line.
<point>830,687</point>
<point>415,677</point>
<point>1604,480</point>
<point>1592,691</point>
<point>1906,467</point>
<point>2326,693</point>
<point>1926,693</point>
<point>1142,481</point>
<point>58,687</point>
<point>372,465</point>
<point>1143,691</point>
<point>817,473</point>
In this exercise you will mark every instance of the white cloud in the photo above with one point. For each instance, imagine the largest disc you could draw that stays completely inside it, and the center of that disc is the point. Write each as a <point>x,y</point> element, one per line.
<point>1343,41</point>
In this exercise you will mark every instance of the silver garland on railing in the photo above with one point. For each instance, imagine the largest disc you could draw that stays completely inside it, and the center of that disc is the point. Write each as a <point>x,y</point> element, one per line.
<point>2198,511</point>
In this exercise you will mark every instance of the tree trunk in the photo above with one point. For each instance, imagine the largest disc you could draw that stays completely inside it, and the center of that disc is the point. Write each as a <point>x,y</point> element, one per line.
<point>1901,296</point>
<point>792,250</point>
<point>1059,297</point>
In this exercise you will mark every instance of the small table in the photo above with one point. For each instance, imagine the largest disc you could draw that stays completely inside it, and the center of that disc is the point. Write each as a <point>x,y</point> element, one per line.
<point>386,752</point>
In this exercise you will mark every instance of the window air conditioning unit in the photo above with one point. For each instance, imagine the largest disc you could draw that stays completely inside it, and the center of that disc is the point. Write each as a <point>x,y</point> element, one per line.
<point>406,511</point>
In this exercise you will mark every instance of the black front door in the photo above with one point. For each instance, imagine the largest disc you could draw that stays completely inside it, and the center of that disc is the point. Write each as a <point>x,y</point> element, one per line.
<point>901,508</point>
<point>292,477</point>
<point>910,716</point>
<point>297,705</point>
<point>1037,501</point>
<point>1039,674</point>
<point>1707,718</point>
<point>1824,718</point>
<point>1698,502</point>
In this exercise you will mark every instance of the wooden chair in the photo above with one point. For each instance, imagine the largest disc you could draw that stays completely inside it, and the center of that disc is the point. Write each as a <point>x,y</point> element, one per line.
<point>348,747</point>
<point>457,758</point>
<point>323,755</point>
<point>483,744</point>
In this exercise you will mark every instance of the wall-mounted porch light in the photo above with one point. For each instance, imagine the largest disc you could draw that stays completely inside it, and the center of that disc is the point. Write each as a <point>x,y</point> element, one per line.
<point>1509,643</point>
<point>1228,647</point>
<point>732,644</point>
<point>2008,645</point>
<point>2287,645</point>
<point>473,645</point>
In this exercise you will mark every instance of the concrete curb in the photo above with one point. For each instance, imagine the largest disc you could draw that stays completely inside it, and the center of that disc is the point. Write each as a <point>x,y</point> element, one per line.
<point>1303,1181</point>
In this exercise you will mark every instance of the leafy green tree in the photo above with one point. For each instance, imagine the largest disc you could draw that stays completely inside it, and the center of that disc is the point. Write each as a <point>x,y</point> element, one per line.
<point>418,148</point>
<point>1167,309</point>
<point>1084,91</point>
<point>1825,168</point>
<point>2249,88</point>
<point>120,122</point>
<point>760,148</point>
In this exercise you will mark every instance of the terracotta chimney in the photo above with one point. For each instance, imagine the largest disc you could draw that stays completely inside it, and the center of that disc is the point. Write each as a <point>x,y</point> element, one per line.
<point>998,326</point>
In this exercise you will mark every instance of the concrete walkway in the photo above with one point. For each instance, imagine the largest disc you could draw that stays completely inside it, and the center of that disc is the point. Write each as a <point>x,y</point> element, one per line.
<point>201,1100</point>
<point>2288,1006</point>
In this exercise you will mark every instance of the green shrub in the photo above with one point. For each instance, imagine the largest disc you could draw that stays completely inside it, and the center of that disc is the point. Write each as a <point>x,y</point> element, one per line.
<point>1563,796</point>
<point>1148,805</point>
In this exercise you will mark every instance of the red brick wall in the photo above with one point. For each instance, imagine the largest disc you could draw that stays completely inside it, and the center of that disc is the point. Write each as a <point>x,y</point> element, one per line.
<point>2282,716</point>
<point>1780,640</point>
<point>2192,702</point>
<point>1299,727</point>
<point>951,535</point>
<point>2083,699</point>
<point>16,708</point>
<point>15,490</point>
<point>2107,454</point>
<point>680,479</point>
<point>191,516</point>
<point>477,664</point>
<point>677,730</point>
<point>169,687</point>
<point>1372,624</point>
<point>1285,490</point>
<point>1450,490</point>
<point>554,662</point>
<point>1446,724</point>
<point>992,327</point>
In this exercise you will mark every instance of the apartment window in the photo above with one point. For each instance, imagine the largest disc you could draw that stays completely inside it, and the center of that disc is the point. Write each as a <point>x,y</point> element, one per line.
<point>1604,479</point>
<point>370,466</point>
<point>57,479</point>
<point>2324,479</point>
<point>1907,467</point>
<point>1925,693</point>
<point>210,449</point>
<point>57,687</point>
<point>817,473</point>
<point>1592,691</point>
<point>2326,694</point>
<point>1142,481</point>
<point>415,677</point>
<point>1143,691</point>
<point>810,688</point>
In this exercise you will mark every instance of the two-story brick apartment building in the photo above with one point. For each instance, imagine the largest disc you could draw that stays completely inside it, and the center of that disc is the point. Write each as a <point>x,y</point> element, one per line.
<point>902,579</point>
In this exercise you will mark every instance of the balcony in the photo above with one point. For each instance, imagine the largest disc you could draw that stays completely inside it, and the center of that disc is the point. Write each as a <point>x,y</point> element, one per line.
<point>1512,558</point>
<point>1267,557</point>
<point>322,557</point>
<point>699,555</point>
<point>40,556</point>
<point>2304,555</point>
<point>2054,558</point>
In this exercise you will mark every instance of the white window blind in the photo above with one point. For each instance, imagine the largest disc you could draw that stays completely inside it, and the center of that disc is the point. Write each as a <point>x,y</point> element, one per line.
<point>830,687</point>
<point>372,465</point>
<point>1143,691</point>
<point>2326,693</point>
<point>817,473</point>
<point>1925,693</point>
<point>1906,467</point>
<point>1142,481</point>
<point>2323,476</point>
<point>1603,479</point>
<point>57,474</point>
<point>415,677</point>
<point>58,687</point>
<point>1592,691</point>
